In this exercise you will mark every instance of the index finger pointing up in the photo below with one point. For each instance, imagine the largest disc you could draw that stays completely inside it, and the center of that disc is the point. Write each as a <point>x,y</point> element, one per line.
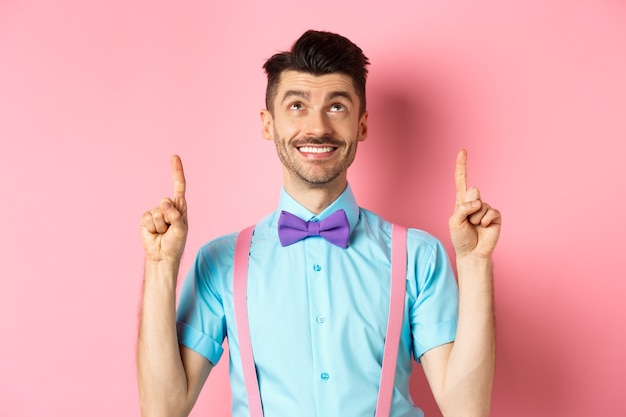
<point>178,175</point>
<point>460,176</point>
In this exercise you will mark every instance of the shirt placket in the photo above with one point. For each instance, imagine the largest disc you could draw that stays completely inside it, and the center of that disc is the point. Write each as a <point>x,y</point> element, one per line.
<point>320,320</point>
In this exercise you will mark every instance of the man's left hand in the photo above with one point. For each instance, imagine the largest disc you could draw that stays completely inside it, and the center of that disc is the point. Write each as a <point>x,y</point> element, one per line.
<point>474,225</point>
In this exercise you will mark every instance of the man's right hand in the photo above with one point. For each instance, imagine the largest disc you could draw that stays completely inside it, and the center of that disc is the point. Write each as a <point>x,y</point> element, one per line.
<point>164,228</point>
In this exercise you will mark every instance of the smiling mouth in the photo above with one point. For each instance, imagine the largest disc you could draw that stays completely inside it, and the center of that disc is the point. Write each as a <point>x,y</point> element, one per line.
<point>311,149</point>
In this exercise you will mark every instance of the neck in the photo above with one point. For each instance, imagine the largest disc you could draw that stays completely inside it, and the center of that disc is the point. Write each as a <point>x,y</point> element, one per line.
<point>316,198</point>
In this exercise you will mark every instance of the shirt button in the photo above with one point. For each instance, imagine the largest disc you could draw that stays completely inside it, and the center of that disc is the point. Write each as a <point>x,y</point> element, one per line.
<point>317,268</point>
<point>325,376</point>
<point>321,319</point>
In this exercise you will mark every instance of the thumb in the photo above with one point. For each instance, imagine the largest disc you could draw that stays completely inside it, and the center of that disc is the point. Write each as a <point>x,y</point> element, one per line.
<point>464,210</point>
<point>172,215</point>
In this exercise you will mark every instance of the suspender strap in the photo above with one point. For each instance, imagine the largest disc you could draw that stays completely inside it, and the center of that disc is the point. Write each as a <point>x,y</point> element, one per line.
<point>394,321</point>
<point>240,285</point>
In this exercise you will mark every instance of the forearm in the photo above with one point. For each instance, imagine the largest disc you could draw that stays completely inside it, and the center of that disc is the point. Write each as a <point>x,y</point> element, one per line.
<point>161,375</point>
<point>471,365</point>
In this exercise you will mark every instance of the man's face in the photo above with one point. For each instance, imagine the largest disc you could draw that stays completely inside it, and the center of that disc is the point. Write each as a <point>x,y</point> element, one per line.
<point>316,127</point>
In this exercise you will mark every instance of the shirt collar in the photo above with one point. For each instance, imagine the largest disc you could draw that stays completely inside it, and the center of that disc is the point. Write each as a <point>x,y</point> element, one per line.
<point>345,201</point>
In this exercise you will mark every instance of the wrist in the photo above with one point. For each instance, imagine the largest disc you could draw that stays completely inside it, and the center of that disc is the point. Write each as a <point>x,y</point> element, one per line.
<point>470,259</point>
<point>163,269</point>
<point>474,269</point>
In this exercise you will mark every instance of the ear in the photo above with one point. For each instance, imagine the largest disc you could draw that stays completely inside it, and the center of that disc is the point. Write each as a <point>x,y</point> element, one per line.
<point>363,127</point>
<point>267,124</point>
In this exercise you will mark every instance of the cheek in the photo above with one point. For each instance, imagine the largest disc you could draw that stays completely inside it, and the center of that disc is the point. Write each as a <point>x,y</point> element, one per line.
<point>286,129</point>
<point>349,130</point>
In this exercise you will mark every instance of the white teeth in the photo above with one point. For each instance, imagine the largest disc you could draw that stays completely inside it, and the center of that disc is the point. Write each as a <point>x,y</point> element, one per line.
<point>310,149</point>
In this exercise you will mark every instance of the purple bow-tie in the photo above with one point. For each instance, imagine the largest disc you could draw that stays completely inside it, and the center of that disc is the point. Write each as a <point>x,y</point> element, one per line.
<point>334,228</point>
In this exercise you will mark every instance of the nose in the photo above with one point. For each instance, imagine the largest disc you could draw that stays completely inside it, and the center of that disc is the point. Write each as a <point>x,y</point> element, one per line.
<point>318,124</point>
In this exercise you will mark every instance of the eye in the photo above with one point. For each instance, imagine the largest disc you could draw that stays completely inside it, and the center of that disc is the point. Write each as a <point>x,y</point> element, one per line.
<point>296,106</point>
<point>337,107</point>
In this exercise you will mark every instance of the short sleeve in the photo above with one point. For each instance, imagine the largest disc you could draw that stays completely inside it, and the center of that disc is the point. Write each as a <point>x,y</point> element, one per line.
<point>434,306</point>
<point>201,323</point>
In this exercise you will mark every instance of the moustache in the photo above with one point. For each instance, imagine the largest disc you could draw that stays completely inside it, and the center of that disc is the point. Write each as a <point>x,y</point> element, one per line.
<point>313,140</point>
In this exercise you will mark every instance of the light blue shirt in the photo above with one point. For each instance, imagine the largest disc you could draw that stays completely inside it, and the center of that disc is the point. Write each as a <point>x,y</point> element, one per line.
<point>318,313</point>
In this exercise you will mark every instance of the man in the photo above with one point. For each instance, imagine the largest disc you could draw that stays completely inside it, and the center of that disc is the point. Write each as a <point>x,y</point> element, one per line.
<point>318,310</point>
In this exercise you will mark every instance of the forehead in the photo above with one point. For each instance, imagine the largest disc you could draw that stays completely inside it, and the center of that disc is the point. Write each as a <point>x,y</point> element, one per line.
<point>316,86</point>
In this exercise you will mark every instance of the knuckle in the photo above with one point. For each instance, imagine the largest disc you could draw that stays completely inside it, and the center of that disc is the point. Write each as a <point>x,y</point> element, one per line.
<point>146,220</point>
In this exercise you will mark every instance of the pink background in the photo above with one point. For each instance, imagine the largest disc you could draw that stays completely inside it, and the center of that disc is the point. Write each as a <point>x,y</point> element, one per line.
<point>95,97</point>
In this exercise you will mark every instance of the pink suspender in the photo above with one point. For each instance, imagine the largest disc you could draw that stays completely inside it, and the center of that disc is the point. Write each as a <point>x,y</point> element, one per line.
<point>240,286</point>
<point>394,321</point>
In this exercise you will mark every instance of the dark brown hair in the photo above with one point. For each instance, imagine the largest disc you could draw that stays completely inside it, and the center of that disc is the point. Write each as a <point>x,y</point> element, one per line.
<point>318,53</point>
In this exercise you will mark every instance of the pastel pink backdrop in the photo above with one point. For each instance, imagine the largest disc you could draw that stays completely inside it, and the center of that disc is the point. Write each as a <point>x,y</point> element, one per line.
<point>94,97</point>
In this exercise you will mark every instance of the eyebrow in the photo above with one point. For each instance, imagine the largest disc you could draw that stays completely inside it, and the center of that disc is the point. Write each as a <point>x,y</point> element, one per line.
<point>295,93</point>
<point>305,96</point>
<point>343,94</point>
